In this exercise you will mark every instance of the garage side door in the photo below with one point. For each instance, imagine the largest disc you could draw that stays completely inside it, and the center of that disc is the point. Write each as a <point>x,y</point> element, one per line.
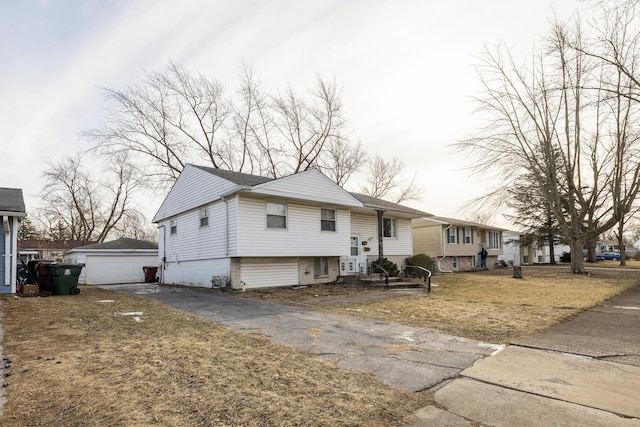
<point>268,274</point>
<point>116,269</point>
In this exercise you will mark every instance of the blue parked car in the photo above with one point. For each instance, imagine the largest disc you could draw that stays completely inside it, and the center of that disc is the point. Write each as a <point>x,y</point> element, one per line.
<point>609,256</point>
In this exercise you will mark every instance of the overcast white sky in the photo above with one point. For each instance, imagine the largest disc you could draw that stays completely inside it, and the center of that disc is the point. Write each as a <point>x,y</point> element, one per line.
<point>405,67</point>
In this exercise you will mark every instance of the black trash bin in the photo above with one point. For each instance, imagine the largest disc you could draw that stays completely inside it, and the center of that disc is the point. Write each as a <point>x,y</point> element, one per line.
<point>150,273</point>
<point>43,275</point>
<point>65,278</point>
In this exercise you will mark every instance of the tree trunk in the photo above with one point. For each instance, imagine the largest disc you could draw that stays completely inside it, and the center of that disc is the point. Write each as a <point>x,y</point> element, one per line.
<point>552,251</point>
<point>577,264</point>
<point>623,260</point>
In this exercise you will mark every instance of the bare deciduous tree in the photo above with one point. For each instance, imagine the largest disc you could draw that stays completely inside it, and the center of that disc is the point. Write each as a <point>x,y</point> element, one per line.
<point>553,122</point>
<point>174,118</point>
<point>78,206</point>
<point>384,179</point>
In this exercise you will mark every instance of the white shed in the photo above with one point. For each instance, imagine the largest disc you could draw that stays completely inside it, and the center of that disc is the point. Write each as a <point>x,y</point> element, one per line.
<point>117,261</point>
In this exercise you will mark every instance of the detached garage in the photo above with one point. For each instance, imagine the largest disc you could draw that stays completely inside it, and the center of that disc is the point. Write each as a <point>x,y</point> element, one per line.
<point>117,261</point>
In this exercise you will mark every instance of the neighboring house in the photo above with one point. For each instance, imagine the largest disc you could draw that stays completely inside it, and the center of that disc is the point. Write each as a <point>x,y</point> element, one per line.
<point>11,210</point>
<point>607,246</point>
<point>516,254</point>
<point>455,244</point>
<point>54,250</point>
<point>218,227</point>
<point>117,261</point>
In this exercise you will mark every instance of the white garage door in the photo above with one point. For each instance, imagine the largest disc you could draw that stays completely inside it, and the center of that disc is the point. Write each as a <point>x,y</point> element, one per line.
<point>101,269</point>
<point>269,274</point>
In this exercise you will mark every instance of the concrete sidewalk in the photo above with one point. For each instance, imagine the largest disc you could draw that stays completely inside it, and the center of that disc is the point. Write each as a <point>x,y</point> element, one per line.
<point>584,372</point>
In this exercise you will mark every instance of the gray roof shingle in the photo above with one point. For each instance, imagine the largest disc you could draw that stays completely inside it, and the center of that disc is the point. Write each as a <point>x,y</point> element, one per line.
<point>380,203</point>
<point>124,243</point>
<point>236,177</point>
<point>11,200</point>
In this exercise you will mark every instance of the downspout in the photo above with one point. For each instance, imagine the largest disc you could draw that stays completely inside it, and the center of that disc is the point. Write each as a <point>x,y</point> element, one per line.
<point>226,226</point>
<point>380,238</point>
<point>444,250</point>
<point>14,253</point>
<point>164,251</point>
<point>7,250</point>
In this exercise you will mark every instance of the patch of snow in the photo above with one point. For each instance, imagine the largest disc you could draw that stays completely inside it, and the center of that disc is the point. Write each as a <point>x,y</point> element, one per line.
<point>407,336</point>
<point>626,308</point>
<point>497,348</point>
<point>130,313</point>
<point>106,300</point>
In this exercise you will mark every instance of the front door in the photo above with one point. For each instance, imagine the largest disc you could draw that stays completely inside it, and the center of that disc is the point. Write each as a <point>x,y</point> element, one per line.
<point>355,246</point>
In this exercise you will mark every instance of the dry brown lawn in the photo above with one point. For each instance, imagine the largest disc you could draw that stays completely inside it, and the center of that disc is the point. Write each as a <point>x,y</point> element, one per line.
<point>74,362</point>
<point>489,306</point>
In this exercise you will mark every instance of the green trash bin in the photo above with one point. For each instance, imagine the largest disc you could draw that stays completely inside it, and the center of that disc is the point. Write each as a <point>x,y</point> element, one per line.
<point>64,278</point>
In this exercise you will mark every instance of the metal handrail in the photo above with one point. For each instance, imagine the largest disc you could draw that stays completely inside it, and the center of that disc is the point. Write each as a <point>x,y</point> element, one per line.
<point>386,273</point>
<point>427,277</point>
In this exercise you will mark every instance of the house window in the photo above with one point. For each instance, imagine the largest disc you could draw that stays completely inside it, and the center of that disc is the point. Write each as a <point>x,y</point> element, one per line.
<point>204,217</point>
<point>452,235</point>
<point>494,240</point>
<point>455,263</point>
<point>389,227</point>
<point>327,219</point>
<point>173,226</point>
<point>468,236</point>
<point>276,215</point>
<point>321,267</point>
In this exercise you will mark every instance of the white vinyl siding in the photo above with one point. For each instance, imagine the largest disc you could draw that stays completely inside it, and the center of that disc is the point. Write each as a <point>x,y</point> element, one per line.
<point>193,188</point>
<point>268,272</point>
<point>366,227</point>
<point>302,237</point>
<point>309,185</point>
<point>194,242</point>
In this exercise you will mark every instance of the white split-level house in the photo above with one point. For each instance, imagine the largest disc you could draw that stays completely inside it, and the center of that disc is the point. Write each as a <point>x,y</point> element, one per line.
<point>218,227</point>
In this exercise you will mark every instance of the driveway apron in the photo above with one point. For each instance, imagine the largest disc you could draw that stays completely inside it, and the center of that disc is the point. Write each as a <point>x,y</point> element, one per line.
<point>409,358</point>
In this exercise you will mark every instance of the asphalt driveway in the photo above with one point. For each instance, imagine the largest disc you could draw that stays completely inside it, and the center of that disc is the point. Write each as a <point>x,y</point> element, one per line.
<point>409,358</point>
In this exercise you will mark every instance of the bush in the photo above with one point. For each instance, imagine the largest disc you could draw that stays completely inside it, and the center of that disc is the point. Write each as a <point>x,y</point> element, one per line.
<point>421,260</point>
<point>389,266</point>
<point>566,257</point>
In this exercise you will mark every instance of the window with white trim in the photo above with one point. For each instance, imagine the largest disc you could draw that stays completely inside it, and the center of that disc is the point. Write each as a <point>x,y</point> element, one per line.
<point>204,217</point>
<point>321,266</point>
<point>173,226</point>
<point>327,219</point>
<point>468,236</point>
<point>454,263</point>
<point>390,227</point>
<point>276,215</point>
<point>452,235</point>
<point>494,240</point>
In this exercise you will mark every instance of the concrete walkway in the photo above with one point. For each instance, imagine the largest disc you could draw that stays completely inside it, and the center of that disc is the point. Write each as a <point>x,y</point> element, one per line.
<point>585,372</point>
<point>409,358</point>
